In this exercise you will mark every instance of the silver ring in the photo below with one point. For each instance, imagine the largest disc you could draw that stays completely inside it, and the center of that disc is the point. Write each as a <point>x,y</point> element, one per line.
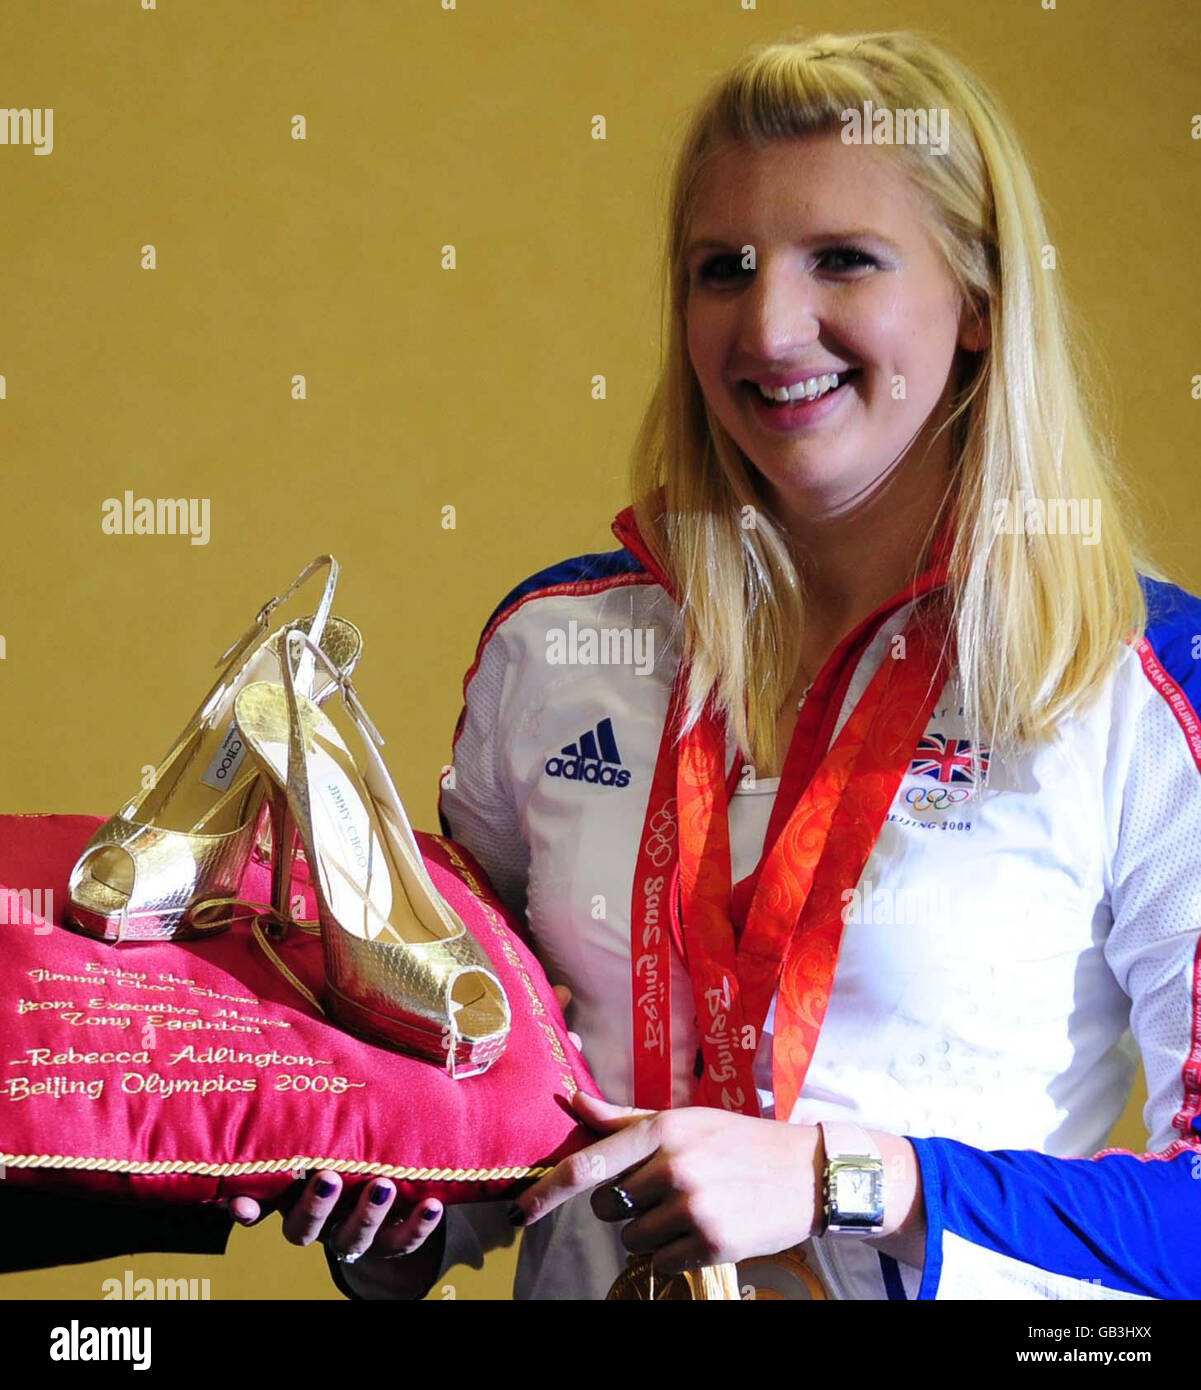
<point>624,1198</point>
<point>348,1259</point>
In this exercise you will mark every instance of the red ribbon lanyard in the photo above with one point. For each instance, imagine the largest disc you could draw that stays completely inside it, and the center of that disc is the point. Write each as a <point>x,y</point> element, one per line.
<point>651,911</point>
<point>794,926</point>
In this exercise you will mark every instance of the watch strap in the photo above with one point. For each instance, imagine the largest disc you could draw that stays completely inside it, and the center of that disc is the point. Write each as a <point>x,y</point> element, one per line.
<point>844,1140</point>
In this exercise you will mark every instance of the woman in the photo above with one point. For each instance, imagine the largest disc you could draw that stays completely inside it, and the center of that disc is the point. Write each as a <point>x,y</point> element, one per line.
<point>898,623</point>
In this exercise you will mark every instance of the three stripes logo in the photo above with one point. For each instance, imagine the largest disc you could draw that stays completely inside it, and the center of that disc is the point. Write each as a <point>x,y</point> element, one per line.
<point>592,758</point>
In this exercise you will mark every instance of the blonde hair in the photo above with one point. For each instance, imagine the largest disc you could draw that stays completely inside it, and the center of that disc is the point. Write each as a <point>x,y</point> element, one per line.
<point>1037,619</point>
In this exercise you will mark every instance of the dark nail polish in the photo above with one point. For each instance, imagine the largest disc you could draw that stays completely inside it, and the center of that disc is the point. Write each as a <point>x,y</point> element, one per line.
<point>379,1195</point>
<point>325,1188</point>
<point>515,1215</point>
<point>429,1213</point>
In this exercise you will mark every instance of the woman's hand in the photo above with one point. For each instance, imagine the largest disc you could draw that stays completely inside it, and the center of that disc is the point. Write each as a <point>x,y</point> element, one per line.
<point>371,1228</point>
<point>563,995</point>
<point>707,1186</point>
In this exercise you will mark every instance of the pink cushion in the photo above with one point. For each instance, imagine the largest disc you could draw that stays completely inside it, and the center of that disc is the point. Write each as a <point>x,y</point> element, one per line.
<point>204,1101</point>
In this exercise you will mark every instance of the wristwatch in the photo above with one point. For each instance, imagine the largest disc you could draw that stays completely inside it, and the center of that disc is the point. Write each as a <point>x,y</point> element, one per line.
<point>853,1181</point>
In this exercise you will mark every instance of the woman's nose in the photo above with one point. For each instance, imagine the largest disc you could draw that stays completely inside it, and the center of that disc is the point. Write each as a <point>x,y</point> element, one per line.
<point>780,312</point>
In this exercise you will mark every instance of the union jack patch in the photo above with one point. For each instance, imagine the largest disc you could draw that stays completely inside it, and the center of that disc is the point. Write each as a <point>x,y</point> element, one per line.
<point>946,759</point>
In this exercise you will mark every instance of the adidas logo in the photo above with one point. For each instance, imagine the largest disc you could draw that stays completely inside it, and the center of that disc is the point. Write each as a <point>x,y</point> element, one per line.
<point>593,758</point>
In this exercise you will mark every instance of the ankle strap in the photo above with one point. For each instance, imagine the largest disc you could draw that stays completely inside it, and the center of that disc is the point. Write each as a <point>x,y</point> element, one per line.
<point>295,635</point>
<point>259,626</point>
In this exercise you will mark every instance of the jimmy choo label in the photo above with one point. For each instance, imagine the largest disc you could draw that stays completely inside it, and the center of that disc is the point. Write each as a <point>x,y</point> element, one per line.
<point>223,767</point>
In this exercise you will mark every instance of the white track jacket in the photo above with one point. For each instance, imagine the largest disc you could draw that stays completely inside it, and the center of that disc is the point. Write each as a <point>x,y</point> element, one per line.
<point>1007,956</point>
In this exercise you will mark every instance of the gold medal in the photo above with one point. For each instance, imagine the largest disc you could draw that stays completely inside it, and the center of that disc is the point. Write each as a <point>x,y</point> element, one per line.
<point>786,1275</point>
<point>783,1276</point>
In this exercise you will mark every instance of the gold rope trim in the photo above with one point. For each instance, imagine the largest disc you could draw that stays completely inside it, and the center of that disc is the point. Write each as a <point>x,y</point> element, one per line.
<point>283,1165</point>
<point>276,1165</point>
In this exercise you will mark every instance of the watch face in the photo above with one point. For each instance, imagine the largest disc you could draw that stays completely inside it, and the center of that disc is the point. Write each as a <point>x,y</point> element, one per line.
<point>857,1192</point>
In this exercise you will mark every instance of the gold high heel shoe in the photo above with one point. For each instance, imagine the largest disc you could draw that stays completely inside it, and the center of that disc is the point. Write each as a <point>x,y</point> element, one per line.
<point>186,839</point>
<point>400,966</point>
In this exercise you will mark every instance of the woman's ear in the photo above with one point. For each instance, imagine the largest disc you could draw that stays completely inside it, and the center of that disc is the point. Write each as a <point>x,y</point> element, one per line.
<point>974,329</point>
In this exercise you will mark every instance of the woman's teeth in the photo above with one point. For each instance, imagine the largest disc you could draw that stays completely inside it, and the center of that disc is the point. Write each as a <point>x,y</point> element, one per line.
<point>802,390</point>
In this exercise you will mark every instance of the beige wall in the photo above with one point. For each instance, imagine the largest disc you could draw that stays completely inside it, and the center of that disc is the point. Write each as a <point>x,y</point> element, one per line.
<point>430,387</point>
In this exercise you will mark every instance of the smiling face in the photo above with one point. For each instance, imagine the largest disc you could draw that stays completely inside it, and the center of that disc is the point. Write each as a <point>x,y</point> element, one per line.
<point>848,281</point>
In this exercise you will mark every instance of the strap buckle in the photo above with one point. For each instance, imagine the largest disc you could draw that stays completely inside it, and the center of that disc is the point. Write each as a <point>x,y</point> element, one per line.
<point>259,625</point>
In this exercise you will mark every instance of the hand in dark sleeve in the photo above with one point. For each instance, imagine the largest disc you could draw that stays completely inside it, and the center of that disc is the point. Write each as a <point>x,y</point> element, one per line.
<point>39,1230</point>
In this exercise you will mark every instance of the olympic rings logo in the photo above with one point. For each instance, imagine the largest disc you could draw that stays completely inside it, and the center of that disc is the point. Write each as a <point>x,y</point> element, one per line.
<point>935,798</point>
<point>662,825</point>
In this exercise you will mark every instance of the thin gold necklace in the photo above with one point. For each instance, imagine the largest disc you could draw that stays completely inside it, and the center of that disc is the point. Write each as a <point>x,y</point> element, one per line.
<point>805,692</point>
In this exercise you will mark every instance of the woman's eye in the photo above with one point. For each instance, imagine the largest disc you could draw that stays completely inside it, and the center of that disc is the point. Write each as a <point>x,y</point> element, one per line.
<point>719,268</point>
<point>727,266</point>
<point>840,258</point>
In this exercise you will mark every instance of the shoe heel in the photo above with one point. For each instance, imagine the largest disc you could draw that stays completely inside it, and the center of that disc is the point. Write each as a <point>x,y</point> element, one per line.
<point>284,844</point>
